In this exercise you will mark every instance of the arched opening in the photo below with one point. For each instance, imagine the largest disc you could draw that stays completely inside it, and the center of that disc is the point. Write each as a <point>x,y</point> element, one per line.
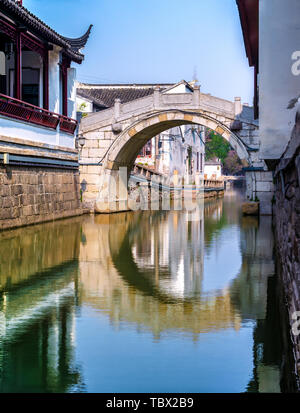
<point>129,143</point>
<point>113,183</point>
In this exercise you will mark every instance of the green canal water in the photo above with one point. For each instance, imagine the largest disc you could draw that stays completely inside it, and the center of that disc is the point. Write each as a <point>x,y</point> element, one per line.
<point>143,301</point>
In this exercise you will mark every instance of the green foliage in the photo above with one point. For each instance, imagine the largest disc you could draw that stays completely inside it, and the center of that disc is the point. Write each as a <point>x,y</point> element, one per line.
<point>82,108</point>
<point>216,147</point>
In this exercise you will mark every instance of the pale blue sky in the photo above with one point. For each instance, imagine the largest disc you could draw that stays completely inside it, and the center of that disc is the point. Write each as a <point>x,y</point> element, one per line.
<point>145,41</point>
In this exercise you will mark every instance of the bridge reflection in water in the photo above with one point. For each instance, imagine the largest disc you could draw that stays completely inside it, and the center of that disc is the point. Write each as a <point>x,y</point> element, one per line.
<point>140,301</point>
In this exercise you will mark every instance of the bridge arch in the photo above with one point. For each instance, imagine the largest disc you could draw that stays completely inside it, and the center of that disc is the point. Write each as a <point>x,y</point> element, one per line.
<point>128,144</point>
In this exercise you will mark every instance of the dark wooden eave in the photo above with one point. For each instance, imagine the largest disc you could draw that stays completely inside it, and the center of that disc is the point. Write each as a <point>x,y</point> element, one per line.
<point>248,10</point>
<point>249,16</point>
<point>23,17</point>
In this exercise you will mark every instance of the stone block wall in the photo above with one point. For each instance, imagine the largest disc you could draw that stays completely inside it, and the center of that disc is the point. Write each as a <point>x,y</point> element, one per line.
<point>260,187</point>
<point>30,195</point>
<point>264,191</point>
<point>286,209</point>
<point>90,179</point>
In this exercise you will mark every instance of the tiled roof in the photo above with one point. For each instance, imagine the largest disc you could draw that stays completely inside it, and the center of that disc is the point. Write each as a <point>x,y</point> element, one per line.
<point>105,95</point>
<point>17,12</point>
<point>88,94</point>
<point>213,162</point>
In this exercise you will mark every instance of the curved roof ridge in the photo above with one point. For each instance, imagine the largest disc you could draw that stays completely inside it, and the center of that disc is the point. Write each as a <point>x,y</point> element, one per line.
<point>80,42</point>
<point>37,25</point>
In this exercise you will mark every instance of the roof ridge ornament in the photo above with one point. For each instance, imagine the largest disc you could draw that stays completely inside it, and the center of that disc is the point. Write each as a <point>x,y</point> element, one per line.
<point>19,14</point>
<point>80,42</point>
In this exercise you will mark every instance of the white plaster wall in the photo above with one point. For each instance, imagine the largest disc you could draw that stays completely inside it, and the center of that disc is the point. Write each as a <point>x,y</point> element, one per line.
<point>22,130</point>
<point>174,153</point>
<point>210,170</point>
<point>54,81</point>
<point>182,88</point>
<point>279,38</point>
<point>89,105</point>
<point>72,93</point>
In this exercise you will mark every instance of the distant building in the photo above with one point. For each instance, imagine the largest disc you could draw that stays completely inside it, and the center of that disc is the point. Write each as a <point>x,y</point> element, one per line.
<point>213,169</point>
<point>178,151</point>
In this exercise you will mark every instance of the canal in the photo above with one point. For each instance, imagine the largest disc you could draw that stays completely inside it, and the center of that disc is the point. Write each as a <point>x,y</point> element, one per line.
<point>141,302</point>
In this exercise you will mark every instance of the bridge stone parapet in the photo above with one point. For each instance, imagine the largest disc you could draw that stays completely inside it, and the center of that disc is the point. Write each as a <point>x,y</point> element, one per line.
<point>115,136</point>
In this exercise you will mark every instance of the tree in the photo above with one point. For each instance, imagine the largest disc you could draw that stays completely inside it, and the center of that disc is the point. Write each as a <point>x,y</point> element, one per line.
<point>216,147</point>
<point>232,164</point>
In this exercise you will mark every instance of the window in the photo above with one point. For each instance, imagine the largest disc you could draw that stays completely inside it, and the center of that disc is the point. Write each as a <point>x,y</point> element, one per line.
<point>146,150</point>
<point>31,85</point>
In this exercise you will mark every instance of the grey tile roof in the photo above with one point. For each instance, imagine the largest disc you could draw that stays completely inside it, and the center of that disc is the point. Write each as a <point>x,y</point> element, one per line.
<point>213,162</point>
<point>105,95</point>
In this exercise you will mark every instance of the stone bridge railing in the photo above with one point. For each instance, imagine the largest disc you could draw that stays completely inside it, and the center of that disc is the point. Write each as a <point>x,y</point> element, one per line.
<point>160,101</point>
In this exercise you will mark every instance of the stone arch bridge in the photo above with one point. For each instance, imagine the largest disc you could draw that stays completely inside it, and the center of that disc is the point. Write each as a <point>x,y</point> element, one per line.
<point>115,136</point>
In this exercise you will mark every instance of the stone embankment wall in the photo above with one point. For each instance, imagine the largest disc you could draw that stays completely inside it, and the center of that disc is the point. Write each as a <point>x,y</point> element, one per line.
<point>286,208</point>
<point>38,182</point>
<point>30,195</point>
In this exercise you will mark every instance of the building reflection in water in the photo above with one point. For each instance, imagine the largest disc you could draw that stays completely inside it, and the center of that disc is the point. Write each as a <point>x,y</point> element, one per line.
<point>152,270</point>
<point>39,278</point>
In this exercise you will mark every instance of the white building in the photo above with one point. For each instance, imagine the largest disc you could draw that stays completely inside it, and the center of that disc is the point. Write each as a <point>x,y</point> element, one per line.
<point>213,169</point>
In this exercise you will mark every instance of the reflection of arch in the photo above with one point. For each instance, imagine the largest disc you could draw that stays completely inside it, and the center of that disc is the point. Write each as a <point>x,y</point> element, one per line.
<point>127,145</point>
<point>137,298</point>
<point>139,278</point>
<point>124,262</point>
<point>130,292</point>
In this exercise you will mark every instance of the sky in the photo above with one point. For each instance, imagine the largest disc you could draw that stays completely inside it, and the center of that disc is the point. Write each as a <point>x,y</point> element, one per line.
<point>156,41</point>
